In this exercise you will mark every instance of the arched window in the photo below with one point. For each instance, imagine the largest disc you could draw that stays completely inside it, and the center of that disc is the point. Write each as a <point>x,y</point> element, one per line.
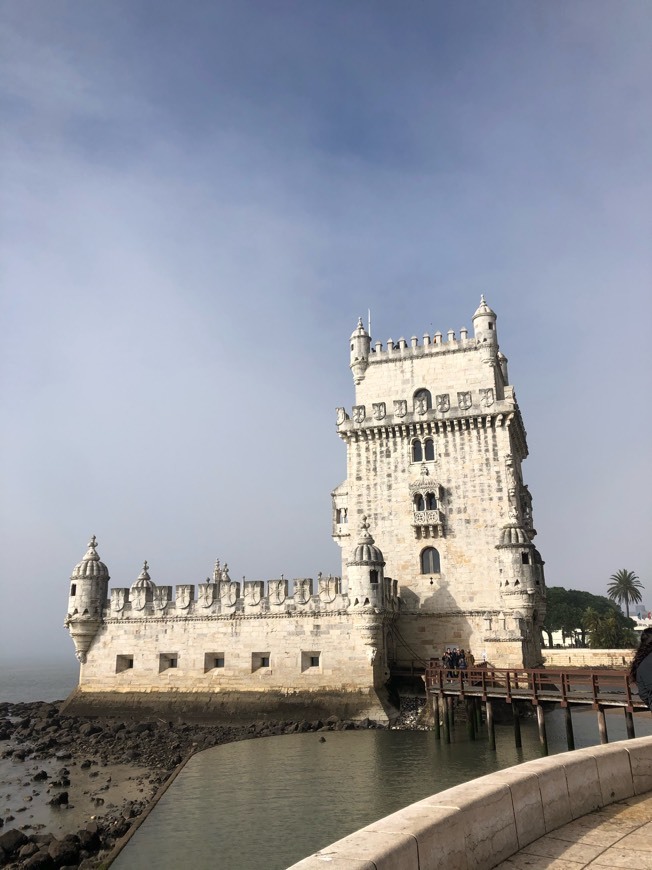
<point>431,501</point>
<point>429,450</point>
<point>417,451</point>
<point>422,401</point>
<point>430,561</point>
<point>419,504</point>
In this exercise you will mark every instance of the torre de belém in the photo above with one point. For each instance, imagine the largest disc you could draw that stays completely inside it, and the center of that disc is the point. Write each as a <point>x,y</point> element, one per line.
<point>435,526</point>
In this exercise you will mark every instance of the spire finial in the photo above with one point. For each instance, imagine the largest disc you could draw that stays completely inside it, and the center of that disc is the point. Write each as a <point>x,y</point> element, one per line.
<point>483,301</point>
<point>92,543</point>
<point>360,323</point>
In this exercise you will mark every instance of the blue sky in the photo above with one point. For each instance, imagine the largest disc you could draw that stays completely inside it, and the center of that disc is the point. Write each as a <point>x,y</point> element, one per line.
<point>199,200</point>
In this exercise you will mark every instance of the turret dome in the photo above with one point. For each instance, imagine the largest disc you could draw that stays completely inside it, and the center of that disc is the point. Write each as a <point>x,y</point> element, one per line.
<point>143,581</point>
<point>90,565</point>
<point>483,309</point>
<point>359,330</point>
<point>513,535</point>
<point>366,553</point>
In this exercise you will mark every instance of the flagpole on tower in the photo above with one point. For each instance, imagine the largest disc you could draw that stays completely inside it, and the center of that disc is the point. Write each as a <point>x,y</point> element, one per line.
<point>369,321</point>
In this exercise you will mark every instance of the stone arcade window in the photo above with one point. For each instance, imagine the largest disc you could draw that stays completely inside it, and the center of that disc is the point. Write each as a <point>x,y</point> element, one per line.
<point>213,660</point>
<point>259,660</point>
<point>123,663</point>
<point>430,563</point>
<point>423,451</point>
<point>431,501</point>
<point>310,660</point>
<point>167,661</point>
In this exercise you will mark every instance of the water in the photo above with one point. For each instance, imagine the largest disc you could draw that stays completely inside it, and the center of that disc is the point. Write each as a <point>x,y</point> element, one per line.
<point>265,804</point>
<point>42,681</point>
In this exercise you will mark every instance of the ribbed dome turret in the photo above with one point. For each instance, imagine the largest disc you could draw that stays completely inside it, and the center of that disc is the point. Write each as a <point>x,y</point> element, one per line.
<point>483,309</point>
<point>366,553</point>
<point>359,330</point>
<point>90,565</point>
<point>513,535</point>
<point>143,581</point>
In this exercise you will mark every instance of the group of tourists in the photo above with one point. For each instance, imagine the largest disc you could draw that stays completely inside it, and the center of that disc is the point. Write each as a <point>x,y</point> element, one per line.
<point>456,659</point>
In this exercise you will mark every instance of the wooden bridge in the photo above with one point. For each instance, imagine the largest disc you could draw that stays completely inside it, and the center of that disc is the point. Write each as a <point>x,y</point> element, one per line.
<point>477,686</point>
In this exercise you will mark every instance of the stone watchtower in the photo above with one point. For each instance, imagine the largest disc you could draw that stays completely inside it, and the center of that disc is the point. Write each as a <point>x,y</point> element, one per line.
<point>89,585</point>
<point>435,443</point>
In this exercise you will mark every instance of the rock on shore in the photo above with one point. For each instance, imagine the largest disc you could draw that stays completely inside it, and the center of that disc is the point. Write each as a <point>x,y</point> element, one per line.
<point>75,786</point>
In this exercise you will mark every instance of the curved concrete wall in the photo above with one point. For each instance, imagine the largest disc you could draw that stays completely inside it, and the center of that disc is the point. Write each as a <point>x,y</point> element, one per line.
<point>481,823</point>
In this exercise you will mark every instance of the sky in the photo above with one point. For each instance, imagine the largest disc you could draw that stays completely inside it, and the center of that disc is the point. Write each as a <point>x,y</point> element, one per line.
<point>198,201</point>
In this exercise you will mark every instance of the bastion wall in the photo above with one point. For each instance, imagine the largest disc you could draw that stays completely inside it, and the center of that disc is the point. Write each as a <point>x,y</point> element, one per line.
<point>483,822</point>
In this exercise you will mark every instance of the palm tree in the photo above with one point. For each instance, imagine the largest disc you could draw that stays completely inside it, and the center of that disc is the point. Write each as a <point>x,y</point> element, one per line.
<point>624,586</point>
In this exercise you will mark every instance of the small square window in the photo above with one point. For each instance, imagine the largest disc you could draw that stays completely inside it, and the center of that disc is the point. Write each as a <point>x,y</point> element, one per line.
<point>123,663</point>
<point>259,660</point>
<point>310,660</point>
<point>213,660</point>
<point>167,661</point>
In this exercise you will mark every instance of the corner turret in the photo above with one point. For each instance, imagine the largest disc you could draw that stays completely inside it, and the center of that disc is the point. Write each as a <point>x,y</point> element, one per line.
<point>360,348</point>
<point>88,590</point>
<point>365,572</point>
<point>484,324</point>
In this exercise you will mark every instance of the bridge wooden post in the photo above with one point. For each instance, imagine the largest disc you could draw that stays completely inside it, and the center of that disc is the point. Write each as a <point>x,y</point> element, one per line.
<point>451,711</point>
<point>541,722</point>
<point>435,713</point>
<point>470,718</point>
<point>517,725</point>
<point>478,714</point>
<point>445,720</point>
<point>602,724</point>
<point>570,737</point>
<point>629,722</point>
<point>491,731</point>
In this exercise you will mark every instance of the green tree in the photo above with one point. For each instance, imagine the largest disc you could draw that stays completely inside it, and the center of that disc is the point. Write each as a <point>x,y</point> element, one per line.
<point>606,631</point>
<point>566,612</point>
<point>624,587</point>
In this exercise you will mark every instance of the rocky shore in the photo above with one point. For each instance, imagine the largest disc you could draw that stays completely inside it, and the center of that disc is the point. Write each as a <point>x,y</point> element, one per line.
<point>74,787</point>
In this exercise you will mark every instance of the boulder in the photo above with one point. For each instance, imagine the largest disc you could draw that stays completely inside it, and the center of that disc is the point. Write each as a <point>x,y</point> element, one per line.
<point>12,840</point>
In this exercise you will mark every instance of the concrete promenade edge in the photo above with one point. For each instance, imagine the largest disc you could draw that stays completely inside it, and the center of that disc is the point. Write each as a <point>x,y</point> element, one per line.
<point>505,819</point>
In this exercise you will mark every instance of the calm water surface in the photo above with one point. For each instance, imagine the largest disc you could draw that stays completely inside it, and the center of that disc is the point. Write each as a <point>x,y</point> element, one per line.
<point>265,804</point>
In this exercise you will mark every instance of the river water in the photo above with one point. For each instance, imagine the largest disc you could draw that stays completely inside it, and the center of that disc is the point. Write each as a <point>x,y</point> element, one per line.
<point>265,804</point>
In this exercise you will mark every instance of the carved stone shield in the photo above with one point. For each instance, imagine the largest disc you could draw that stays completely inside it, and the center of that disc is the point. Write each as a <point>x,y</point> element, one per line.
<point>487,397</point>
<point>464,400</point>
<point>341,416</point>
<point>303,590</point>
<point>206,594</point>
<point>162,595</point>
<point>119,598</point>
<point>278,591</point>
<point>380,409</point>
<point>443,402</point>
<point>359,413</point>
<point>400,407</point>
<point>138,598</point>
<point>230,592</point>
<point>184,596</point>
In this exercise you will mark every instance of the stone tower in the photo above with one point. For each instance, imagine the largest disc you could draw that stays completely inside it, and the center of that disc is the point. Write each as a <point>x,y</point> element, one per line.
<point>435,443</point>
<point>89,584</point>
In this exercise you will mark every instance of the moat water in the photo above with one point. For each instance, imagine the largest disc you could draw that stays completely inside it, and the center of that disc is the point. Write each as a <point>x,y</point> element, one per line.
<point>264,804</point>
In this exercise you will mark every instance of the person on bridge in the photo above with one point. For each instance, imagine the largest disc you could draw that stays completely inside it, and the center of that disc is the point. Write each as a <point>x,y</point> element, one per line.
<point>641,669</point>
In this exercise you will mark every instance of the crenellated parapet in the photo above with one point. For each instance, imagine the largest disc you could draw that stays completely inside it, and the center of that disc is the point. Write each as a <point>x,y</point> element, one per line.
<point>229,598</point>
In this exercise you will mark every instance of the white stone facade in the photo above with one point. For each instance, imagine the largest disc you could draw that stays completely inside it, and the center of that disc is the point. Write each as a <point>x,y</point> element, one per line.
<point>435,443</point>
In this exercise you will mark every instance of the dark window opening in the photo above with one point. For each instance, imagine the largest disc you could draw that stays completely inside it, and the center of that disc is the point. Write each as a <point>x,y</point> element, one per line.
<point>219,662</point>
<point>172,663</point>
<point>366,601</point>
<point>431,501</point>
<point>264,661</point>
<point>373,576</point>
<point>491,326</point>
<point>525,558</point>
<point>417,452</point>
<point>73,589</point>
<point>314,661</point>
<point>419,504</point>
<point>430,563</point>
<point>430,450</point>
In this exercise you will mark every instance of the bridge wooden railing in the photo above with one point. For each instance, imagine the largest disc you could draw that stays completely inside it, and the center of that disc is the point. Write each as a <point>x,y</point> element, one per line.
<point>600,687</point>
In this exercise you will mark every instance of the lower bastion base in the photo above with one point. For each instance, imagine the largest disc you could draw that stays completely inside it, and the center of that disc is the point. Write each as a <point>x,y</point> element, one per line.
<point>232,707</point>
